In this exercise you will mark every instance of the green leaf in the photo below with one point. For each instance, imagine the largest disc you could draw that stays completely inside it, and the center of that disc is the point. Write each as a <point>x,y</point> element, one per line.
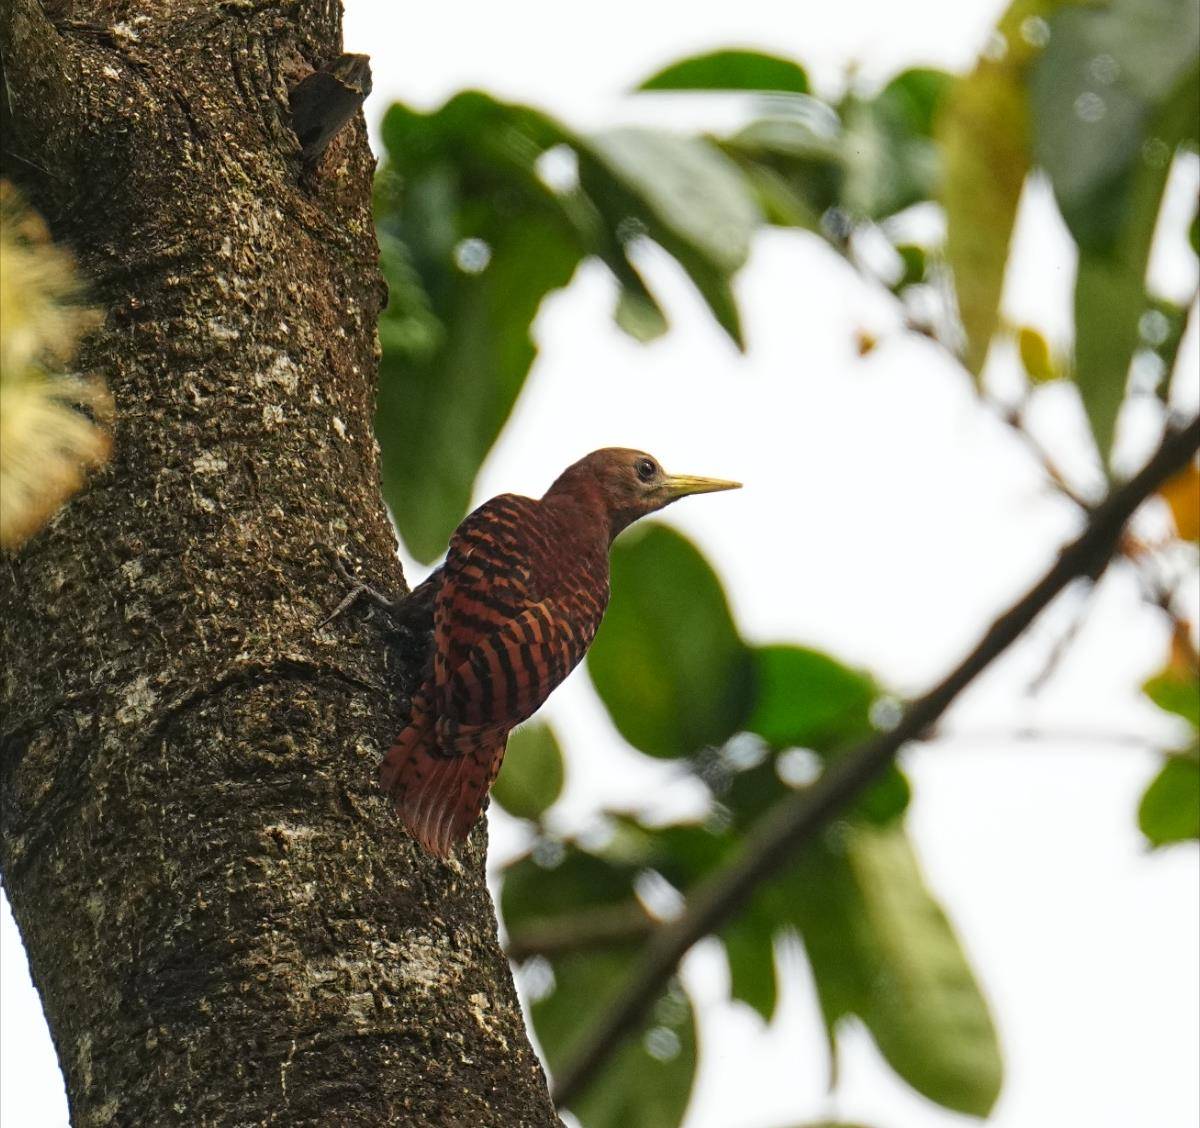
<point>437,418</point>
<point>1112,78</point>
<point>791,158</point>
<point>685,852</point>
<point>473,241</point>
<point>1114,93</point>
<point>750,952</point>
<point>915,260</point>
<point>807,699</point>
<point>881,948</point>
<point>924,1010</point>
<point>1170,808</point>
<point>886,799</point>
<point>817,895</point>
<point>639,315</point>
<point>535,892</point>
<point>912,100</point>
<point>889,157</point>
<point>683,193</point>
<point>532,776</point>
<point>1108,303</point>
<point>731,70</point>
<point>984,135</point>
<point>648,1081</point>
<point>668,662</point>
<point>1177,690</point>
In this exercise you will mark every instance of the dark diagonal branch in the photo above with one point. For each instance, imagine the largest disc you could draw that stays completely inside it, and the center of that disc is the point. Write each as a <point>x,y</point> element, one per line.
<point>775,839</point>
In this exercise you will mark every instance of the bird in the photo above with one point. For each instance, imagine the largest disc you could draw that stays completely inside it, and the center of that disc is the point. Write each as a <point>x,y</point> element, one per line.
<point>516,605</point>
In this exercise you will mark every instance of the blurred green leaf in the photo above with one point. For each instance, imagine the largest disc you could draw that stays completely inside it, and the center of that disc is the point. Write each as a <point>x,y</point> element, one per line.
<point>807,699</point>
<point>473,241</point>
<point>474,237</point>
<point>532,776</point>
<point>1177,690</point>
<point>684,194</point>
<point>535,892</point>
<point>748,794</point>
<point>985,144</point>
<point>1170,808</point>
<point>750,952</point>
<point>685,852</point>
<point>817,896</point>
<point>886,799</point>
<point>438,418</point>
<point>1115,91</point>
<point>639,315</point>
<point>668,662</point>
<point>1109,290</point>
<point>915,260</point>
<point>1116,87</point>
<point>731,70</point>
<point>889,157</point>
<point>791,157</point>
<point>881,948</point>
<point>648,1081</point>
<point>924,1009</point>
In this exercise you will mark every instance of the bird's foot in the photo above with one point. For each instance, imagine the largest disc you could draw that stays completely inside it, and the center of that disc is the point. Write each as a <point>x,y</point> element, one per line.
<point>358,590</point>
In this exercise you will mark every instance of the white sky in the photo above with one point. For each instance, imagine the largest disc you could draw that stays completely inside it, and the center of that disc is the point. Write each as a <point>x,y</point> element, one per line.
<point>908,519</point>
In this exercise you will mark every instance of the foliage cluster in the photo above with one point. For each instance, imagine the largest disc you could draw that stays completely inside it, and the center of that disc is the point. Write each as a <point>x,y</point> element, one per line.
<point>485,208</point>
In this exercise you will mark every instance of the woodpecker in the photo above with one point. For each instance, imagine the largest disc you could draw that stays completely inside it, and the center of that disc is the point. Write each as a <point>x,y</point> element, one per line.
<point>515,607</point>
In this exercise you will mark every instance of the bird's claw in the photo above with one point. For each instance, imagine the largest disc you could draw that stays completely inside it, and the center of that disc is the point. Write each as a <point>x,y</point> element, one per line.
<point>357,590</point>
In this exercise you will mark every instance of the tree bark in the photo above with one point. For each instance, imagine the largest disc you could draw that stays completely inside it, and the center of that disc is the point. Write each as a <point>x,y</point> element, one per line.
<point>225,921</point>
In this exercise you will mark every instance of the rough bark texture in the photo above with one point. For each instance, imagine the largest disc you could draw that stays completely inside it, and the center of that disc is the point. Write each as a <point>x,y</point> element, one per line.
<point>225,921</point>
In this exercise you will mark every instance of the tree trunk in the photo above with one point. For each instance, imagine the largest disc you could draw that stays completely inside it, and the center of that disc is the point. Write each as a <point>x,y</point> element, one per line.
<point>225,921</point>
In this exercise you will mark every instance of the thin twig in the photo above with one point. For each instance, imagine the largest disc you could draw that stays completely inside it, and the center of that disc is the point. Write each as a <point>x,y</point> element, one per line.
<point>1015,420</point>
<point>795,820</point>
<point>1062,646</point>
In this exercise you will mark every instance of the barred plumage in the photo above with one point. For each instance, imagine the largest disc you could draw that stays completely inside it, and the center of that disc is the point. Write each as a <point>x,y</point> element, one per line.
<point>515,607</point>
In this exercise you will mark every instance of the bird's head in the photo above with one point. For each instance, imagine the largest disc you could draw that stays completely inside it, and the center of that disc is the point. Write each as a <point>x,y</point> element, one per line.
<point>629,484</point>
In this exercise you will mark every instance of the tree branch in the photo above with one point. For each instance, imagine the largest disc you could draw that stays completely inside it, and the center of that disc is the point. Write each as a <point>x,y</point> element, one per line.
<point>795,820</point>
<point>580,931</point>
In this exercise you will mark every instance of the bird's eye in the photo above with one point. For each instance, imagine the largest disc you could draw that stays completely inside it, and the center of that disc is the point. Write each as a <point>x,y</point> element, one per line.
<point>646,469</point>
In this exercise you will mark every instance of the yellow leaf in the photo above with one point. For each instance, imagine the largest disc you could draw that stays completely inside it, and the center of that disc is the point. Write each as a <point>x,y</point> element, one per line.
<point>984,134</point>
<point>1182,495</point>
<point>1035,356</point>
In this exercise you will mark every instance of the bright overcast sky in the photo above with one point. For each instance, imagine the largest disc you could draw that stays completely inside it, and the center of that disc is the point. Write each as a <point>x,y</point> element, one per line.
<point>907,519</point>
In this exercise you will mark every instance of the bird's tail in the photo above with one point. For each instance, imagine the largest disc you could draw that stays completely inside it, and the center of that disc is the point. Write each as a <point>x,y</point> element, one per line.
<point>438,796</point>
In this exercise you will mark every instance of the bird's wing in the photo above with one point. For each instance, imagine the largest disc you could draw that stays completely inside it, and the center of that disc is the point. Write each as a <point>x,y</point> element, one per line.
<point>508,674</point>
<point>485,581</point>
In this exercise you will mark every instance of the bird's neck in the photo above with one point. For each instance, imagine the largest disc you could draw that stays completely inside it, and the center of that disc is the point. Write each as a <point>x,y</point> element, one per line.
<point>582,501</point>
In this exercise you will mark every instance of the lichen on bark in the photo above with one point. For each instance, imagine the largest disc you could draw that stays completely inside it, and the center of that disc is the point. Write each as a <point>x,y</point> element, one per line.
<point>224,920</point>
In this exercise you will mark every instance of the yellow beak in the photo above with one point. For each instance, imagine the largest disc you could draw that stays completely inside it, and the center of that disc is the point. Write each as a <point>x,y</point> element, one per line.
<point>681,485</point>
